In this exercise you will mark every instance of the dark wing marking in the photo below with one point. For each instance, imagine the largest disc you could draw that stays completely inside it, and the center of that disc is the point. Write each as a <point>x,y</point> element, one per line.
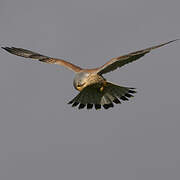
<point>30,54</point>
<point>122,60</point>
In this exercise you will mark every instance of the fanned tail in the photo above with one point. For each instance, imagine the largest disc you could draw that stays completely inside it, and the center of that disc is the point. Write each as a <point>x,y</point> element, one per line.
<point>93,96</point>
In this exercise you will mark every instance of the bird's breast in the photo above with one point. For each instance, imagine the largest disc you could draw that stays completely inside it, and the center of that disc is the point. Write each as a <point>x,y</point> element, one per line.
<point>95,79</point>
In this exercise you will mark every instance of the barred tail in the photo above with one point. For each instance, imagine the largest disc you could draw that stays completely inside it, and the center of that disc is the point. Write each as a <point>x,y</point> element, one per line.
<point>110,94</point>
<point>116,94</point>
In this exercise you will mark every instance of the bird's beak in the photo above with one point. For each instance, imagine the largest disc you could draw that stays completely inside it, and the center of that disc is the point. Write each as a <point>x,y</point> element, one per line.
<point>79,88</point>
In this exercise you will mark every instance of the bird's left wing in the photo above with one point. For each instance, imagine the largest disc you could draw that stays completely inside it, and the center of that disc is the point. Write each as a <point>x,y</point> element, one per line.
<point>33,55</point>
<point>122,60</point>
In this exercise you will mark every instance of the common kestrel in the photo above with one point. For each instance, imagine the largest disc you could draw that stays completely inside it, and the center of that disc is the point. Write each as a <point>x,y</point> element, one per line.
<point>94,88</point>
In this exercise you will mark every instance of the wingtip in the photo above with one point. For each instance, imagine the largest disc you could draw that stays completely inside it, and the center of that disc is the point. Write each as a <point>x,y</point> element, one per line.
<point>6,48</point>
<point>174,40</point>
<point>9,49</point>
<point>171,41</point>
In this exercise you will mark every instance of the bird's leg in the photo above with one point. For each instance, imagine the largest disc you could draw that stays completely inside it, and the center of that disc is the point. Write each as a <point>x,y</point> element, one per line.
<point>103,86</point>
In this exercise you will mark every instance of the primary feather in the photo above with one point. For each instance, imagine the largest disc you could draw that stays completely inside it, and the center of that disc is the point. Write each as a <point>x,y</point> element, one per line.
<point>125,59</point>
<point>33,55</point>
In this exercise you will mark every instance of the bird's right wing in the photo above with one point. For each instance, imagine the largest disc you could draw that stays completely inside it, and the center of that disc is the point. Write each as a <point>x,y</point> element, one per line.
<point>30,54</point>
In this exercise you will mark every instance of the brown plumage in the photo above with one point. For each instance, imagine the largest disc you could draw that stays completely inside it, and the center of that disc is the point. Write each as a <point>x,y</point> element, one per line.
<point>94,89</point>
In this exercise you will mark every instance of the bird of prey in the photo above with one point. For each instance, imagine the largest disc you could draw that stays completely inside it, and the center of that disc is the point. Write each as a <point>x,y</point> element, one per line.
<point>94,89</point>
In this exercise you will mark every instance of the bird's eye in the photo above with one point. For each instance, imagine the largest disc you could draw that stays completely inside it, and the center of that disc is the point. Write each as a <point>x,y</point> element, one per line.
<point>79,85</point>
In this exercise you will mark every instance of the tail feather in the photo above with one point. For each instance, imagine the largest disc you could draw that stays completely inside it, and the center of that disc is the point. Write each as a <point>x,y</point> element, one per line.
<point>93,96</point>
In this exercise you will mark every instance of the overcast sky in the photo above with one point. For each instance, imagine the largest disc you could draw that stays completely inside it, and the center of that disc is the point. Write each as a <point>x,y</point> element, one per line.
<point>42,137</point>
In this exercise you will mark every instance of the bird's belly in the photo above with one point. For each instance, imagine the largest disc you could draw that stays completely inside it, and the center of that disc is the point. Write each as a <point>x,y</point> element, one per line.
<point>96,80</point>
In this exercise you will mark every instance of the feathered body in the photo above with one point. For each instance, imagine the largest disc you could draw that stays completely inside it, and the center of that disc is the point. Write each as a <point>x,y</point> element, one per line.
<point>94,89</point>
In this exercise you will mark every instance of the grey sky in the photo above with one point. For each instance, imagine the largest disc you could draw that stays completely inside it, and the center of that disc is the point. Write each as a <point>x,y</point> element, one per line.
<point>41,137</point>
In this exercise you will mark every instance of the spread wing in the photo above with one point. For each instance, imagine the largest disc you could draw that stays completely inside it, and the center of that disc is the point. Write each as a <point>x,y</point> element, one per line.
<point>122,60</point>
<point>30,54</point>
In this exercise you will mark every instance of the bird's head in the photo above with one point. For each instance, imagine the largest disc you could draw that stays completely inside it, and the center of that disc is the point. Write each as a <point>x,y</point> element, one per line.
<point>80,80</point>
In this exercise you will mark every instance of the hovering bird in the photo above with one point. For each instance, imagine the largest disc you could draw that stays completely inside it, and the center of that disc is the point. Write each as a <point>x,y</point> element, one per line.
<point>94,89</point>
